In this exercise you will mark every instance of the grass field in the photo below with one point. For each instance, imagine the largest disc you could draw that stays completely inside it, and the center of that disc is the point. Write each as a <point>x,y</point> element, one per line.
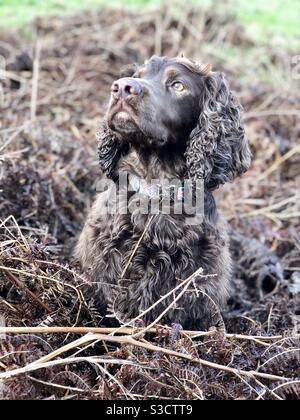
<point>263,19</point>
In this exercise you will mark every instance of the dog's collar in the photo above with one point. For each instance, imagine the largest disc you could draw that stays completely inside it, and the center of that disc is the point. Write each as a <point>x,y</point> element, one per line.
<point>153,191</point>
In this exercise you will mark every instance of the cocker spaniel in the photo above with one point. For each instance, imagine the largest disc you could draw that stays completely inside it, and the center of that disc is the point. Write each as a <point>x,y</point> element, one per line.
<point>170,118</point>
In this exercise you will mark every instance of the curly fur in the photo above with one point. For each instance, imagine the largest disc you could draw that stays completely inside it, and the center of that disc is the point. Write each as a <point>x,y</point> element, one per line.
<point>109,151</point>
<point>217,151</point>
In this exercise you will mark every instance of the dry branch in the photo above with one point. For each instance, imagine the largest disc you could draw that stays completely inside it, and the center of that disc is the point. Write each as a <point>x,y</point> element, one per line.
<point>261,339</point>
<point>128,340</point>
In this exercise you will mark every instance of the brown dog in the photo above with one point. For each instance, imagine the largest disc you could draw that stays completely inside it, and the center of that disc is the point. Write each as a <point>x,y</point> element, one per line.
<point>167,119</point>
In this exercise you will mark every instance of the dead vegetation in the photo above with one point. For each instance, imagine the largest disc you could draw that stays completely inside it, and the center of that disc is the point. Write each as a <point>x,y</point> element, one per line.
<point>53,93</point>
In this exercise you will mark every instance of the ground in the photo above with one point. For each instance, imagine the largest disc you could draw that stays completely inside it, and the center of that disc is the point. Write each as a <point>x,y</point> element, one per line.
<point>54,89</point>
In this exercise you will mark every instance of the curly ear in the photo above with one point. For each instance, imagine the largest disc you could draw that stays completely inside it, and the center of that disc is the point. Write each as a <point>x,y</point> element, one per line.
<point>218,150</point>
<point>110,150</point>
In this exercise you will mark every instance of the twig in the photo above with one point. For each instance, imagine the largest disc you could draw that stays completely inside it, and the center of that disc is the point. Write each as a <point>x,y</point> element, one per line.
<point>169,307</point>
<point>276,206</point>
<point>17,131</point>
<point>69,360</point>
<point>260,339</point>
<point>28,292</point>
<point>279,162</point>
<point>35,81</point>
<point>280,355</point>
<point>144,344</point>
<point>38,276</point>
<point>296,382</point>
<point>136,247</point>
<point>17,227</point>
<point>272,113</point>
<point>161,299</point>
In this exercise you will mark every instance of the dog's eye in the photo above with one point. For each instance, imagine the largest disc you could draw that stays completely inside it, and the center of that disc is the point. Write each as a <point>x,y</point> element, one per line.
<point>178,86</point>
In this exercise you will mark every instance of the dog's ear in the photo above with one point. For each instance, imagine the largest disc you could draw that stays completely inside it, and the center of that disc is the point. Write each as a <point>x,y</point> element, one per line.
<point>218,150</point>
<point>110,150</point>
<point>128,70</point>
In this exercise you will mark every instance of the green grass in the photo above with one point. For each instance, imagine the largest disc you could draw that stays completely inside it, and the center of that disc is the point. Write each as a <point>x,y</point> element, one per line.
<point>263,18</point>
<point>16,13</point>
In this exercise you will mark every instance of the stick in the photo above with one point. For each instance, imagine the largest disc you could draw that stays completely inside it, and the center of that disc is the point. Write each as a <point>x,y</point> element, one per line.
<point>130,331</point>
<point>136,247</point>
<point>167,309</point>
<point>272,113</point>
<point>28,292</point>
<point>35,81</point>
<point>146,345</point>
<point>295,150</point>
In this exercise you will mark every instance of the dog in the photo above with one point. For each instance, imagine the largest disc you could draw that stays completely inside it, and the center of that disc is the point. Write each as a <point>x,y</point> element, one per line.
<point>170,118</point>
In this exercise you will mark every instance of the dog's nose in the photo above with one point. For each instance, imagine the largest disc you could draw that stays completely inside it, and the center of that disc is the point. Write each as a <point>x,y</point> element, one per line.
<point>125,87</point>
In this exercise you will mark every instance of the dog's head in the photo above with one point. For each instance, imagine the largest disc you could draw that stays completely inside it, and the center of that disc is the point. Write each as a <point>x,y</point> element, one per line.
<point>174,102</point>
